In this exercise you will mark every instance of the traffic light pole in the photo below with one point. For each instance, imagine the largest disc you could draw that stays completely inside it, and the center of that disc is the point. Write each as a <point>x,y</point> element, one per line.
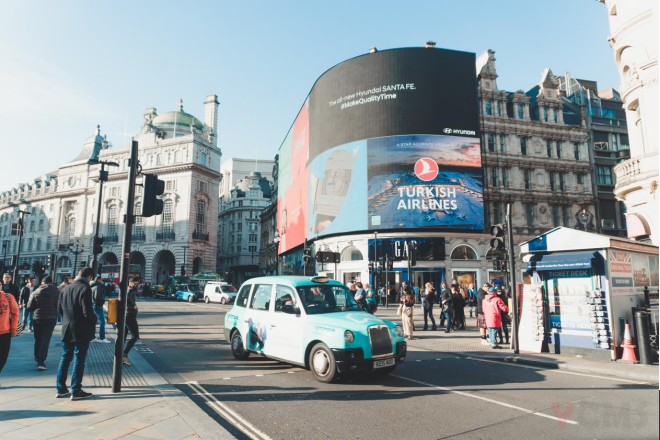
<point>21,224</point>
<point>512,272</point>
<point>123,272</point>
<point>95,259</point>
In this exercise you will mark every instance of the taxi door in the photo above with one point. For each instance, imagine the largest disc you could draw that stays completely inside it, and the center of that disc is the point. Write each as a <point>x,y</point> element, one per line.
<point>256,319</point>
<point>286,326</point>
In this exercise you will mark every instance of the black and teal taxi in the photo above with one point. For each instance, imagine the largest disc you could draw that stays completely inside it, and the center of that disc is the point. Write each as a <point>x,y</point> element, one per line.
<point>313,322</point>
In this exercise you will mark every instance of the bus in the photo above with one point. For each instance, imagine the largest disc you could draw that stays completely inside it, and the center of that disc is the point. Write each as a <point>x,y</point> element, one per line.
<point>110,272</point>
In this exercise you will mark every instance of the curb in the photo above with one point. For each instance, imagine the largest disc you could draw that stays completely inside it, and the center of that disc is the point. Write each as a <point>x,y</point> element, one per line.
<point>649,375</point>
<point>194,416</point>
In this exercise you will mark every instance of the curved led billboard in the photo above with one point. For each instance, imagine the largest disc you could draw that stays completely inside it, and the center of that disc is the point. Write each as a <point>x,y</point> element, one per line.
<point>388,140</point>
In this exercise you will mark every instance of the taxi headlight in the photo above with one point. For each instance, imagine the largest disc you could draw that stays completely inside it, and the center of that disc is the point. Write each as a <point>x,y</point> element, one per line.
<point>348,336</point>
<point>398,331</point>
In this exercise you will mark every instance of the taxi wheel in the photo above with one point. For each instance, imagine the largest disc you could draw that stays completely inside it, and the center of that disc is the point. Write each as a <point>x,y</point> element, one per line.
<point>191,298</point>
<point>237,348</point>
<point>207,300</point>
<point>322,363</point>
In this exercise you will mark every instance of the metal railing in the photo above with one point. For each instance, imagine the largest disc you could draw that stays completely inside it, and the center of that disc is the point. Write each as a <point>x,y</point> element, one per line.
<point>139,236</point>
<point>165,236</point>
<point>113,238</point>
<point>204,236</point>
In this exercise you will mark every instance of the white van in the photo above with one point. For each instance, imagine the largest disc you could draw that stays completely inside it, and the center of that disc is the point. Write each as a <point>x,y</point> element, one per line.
<point>216,291</point>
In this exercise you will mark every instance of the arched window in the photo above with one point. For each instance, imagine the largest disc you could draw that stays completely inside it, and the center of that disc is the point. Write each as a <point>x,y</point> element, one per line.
<point>351,254</point>
<point>168,216</point>
<point>463,252</point>
<point>63,262</point>
<point>202,159</point>
<point>112,221</point>
<point>201,217</point>
<point>69,230</point>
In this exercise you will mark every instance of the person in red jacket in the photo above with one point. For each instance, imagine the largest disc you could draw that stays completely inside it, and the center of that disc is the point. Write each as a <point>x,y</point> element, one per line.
<point>492,306</point>
<point>8,324</point>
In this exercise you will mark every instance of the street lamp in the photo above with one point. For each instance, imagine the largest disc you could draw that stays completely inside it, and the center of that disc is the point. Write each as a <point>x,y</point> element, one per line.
<point>183,266</point>
<point>276,241</point>
<point>79,250</point>
<point>103,177</point>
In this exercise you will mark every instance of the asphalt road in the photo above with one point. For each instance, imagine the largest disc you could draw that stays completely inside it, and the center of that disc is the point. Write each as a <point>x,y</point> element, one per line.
<point>432,395</point>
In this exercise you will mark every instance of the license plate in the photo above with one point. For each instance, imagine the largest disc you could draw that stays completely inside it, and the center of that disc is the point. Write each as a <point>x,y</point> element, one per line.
<point>383,363</point>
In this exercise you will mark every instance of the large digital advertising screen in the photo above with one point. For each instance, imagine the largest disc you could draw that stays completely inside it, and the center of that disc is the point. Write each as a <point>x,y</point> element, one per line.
<point>388,140</point>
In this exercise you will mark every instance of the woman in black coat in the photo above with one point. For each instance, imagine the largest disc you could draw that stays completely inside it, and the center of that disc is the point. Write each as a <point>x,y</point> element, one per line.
<point>459,309</point>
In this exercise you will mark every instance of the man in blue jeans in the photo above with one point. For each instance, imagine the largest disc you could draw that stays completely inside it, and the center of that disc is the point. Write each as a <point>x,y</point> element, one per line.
<point>446,302</point>
<point>98,297</point>
<point>78,325</point>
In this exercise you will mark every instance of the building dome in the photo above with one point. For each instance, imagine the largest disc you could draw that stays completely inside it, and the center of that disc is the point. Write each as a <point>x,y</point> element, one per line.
<point>178,117</point>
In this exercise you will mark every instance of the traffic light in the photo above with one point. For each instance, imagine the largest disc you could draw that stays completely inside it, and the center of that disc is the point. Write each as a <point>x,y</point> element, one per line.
<point>37,268</point>
<point>497,240</point>
<point>153,187</point>
<point>97,245</point>
<point>390,265</point>
<point>371,268</point>
<point>50,262</point>
<point>307,255</point>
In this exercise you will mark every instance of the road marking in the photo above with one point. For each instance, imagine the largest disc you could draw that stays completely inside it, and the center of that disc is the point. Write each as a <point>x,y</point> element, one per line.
<point>485,399</point>
<point>232,417</point>
<point>537,368</point>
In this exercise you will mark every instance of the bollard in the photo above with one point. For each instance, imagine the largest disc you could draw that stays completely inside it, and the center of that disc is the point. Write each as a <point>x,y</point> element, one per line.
<point>643,339</point>
<point>113,305</point>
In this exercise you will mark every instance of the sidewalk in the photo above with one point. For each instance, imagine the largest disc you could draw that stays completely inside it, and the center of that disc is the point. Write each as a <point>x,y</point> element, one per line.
<point>147,408</point>
<point>467,343</point>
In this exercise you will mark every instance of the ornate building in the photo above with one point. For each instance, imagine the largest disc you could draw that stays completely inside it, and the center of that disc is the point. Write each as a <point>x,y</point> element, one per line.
<point>634,41</point>
<point>176,146</point>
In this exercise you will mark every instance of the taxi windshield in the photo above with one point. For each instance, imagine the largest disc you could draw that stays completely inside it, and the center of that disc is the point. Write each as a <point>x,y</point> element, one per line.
<point>326,299</point>
<point>191,287</point>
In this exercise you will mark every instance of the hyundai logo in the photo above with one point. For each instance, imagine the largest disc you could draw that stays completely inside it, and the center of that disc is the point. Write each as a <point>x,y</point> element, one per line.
<point>447,130</point>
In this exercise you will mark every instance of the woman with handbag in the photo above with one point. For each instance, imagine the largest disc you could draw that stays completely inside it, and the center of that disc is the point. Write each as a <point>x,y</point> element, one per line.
<point>8,325</point>
<point>406,309</point>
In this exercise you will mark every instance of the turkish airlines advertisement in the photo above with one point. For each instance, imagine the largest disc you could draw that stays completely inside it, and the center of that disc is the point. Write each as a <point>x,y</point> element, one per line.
<point>388,140</point>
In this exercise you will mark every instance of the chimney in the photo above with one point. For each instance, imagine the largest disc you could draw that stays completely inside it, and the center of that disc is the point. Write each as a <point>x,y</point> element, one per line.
<point>429,45</point>
<point>211,113</point>
<point>373,49</point>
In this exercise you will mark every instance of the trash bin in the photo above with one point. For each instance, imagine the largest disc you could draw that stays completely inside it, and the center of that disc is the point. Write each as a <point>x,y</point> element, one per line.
<point>113,305</point>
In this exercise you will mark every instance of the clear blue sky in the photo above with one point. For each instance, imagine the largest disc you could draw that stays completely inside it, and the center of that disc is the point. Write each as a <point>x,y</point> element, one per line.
<point>66,66</point>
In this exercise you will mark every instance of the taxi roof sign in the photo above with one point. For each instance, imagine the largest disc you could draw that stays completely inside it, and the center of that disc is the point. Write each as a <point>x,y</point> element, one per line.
<point>319,279</point>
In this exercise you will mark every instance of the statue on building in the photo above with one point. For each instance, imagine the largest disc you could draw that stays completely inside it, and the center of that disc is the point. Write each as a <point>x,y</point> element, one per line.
<point>584,220</point>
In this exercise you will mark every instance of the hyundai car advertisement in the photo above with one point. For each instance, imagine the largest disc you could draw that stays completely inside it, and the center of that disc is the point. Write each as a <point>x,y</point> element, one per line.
<point>388,140</point>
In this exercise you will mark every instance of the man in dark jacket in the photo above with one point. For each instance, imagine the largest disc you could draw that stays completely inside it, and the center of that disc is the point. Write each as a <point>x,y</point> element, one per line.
<point>9,287</point>
<point>98,298</point>
<point>26,291</point>
<point>43,303</point>
<point>131,317</point>
<point>447,303</point>
<point>481,319</point>
<point>78,324</point>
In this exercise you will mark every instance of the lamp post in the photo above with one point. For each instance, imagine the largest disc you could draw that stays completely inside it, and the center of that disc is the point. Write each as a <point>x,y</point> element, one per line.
<point>21,224</point>
<point>276,242</point>
<point>183,266</point>
<point>79,250</point>
<point>103,177</point>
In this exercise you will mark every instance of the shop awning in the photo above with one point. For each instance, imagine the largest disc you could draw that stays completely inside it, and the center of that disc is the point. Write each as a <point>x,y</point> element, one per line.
<point>579,260</point>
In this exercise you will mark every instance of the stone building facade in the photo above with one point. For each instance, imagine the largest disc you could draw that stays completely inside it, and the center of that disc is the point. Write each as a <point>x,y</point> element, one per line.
<point>176,146</point>
<point>634,42</point>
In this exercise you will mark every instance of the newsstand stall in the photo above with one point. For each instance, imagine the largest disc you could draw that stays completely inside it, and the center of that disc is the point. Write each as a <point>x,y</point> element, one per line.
<point>590,284</point>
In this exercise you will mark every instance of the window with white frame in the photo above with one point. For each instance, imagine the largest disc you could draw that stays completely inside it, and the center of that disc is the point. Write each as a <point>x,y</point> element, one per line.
<point>112,220</point>
<point>168,216</point>
<point>201,216</point>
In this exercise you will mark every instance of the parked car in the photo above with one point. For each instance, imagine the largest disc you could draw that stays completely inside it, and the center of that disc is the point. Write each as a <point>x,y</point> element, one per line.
<point>188,292</point>
<point>219,292</point>
<point>159,291</point>
<point>312,322</point>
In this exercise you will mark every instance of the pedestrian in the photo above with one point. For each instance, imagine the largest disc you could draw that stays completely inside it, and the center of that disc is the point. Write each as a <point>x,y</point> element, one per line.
<point>472,299</point>
<point>407,304</point>
<point>9,314</point>
<point>443,290</point>
<point>131,318</point>
<point>481,319</point>
<point>360,296</point>
<point>43,303</point>
<point>61,287</point>
<point>416,291</point>
<point>146,291</point>
<point>372,299</point>
<point>383,294</point>
<point>447,304</point>
<point>98,298</point>
<point>458,308</point>
<point>9,287</point>
<point>428,298</point>
<point>506,321</point>
<point>392,293</point>
<point>26,291</point>
<point>78,324</point>
<point>492,307</point>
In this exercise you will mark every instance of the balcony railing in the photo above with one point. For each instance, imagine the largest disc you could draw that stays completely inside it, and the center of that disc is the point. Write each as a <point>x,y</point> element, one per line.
<point>139,236</point>
<point>110,239</point>
<point>165,236</point>
<point>636,170</point>
<point>203,236</point>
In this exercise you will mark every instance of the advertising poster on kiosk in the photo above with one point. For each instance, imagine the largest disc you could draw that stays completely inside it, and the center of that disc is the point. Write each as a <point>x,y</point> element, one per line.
<point>384,128</point>
<point>531,329</point>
